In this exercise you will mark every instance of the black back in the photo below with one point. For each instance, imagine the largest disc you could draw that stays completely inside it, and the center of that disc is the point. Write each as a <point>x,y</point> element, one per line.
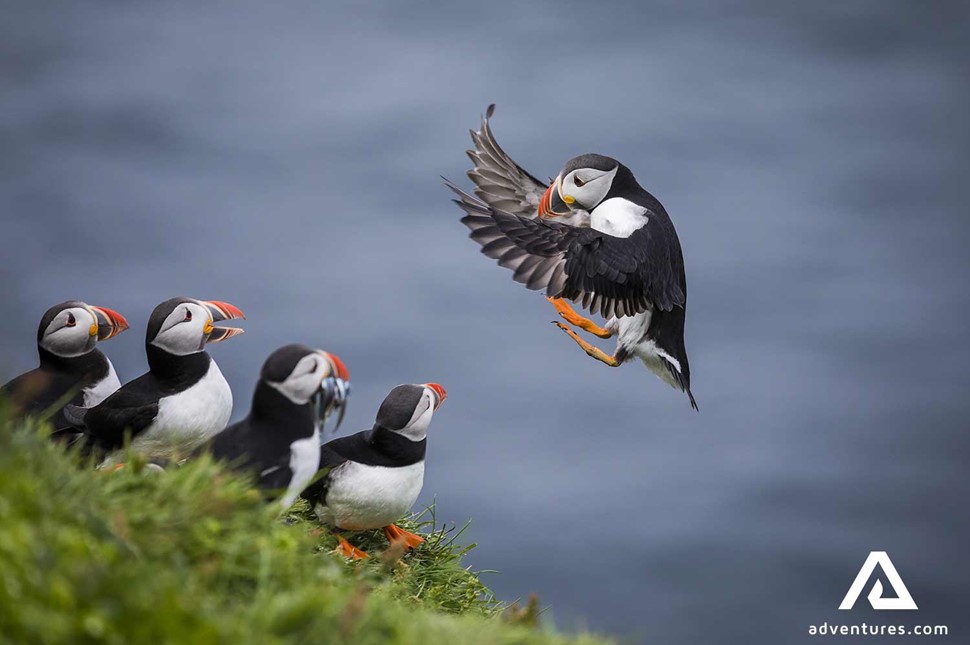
<point>56,378</point>
<point>261,442</point>
<point>135,405</point>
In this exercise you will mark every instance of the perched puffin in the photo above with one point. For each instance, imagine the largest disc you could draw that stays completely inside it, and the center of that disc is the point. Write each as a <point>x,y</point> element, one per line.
<point>280,439</point>
<point>374,477</point>
<point>624,262</point>
<point>72,369</point>
<point>183,399</point>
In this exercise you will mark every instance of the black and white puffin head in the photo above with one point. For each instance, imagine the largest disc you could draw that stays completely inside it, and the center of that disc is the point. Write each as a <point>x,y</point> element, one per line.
<point>183,326</point>
<point>73,328</point>
<point>585,182</point>
<point>303,375</point>
<point>407,409</point>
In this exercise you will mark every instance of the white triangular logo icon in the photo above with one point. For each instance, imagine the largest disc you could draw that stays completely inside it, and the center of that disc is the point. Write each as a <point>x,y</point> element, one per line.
<point>902,600</point>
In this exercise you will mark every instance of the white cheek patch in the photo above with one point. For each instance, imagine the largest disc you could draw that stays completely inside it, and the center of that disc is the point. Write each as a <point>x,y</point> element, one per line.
<point>180,337</point>
<point>70,342</point>
<point>594,189</point>
<point>183,339</point>
<point>417,427</point>
<point>300,389</point>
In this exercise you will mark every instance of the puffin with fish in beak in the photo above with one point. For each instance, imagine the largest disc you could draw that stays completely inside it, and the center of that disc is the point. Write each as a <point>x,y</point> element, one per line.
<point>299,388</point>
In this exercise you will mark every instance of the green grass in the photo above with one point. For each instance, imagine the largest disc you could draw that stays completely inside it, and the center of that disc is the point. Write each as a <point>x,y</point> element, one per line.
<point>194,555</point>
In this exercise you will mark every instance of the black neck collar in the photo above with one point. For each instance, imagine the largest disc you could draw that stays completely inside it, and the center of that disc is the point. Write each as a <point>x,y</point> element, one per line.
<point>92,365</point>
<point>395,447</point>
<point>177,370</point>
<point>289,420</point>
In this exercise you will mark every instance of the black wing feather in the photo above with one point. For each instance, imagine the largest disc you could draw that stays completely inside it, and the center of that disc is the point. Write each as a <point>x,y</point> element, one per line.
<point>39,390</point>
<point>608,275</point>
<point>316,492</point>
<point>499,181</point>
<point>131,409</point>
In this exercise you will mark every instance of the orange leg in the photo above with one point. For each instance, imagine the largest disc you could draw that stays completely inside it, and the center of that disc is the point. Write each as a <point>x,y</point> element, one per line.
<point>348,550</point>
<point>574,318</point>
<point>595,352</point>
<point>397,535</point>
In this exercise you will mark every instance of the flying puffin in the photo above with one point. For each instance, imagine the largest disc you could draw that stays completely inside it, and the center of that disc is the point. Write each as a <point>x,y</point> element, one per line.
<point>375,476</point>
<point>280,439</point>
<point>72,369</point>
<point>617,254</point>
<point>183,399</point>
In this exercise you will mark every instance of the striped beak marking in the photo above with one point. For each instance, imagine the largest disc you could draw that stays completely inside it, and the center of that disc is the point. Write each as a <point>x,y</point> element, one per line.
<point>110,323</point>
<point>221,311</point>
<point>439,393</point>
<point>553,203</point>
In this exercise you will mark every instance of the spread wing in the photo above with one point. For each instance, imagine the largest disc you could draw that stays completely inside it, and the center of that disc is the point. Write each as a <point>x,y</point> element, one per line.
<point>499,181</point>
<point>608,275</point>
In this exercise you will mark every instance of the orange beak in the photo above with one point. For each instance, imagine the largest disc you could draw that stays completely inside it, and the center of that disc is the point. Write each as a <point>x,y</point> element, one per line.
<point>439,393</point>
<point>110,322</point>
<point>338,365</point>
<point>552,205</point>
<point>223,311</point>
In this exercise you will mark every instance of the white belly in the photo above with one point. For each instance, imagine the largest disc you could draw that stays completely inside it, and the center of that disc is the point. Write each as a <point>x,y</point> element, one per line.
<point>304,463</point>
<point>631,333</point>
<point>98,392</point>
<point>369,497</point>
<point>191,417</point>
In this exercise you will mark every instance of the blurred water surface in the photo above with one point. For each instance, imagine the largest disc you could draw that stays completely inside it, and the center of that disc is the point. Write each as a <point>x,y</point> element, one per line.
<point>814,159</point>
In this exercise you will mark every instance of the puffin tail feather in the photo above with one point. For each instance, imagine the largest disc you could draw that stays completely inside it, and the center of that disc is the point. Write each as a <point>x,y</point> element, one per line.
<point>678,379</point>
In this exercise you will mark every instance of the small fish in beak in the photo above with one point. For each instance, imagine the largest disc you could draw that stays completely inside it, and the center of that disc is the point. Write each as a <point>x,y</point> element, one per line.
<point>334,392</point>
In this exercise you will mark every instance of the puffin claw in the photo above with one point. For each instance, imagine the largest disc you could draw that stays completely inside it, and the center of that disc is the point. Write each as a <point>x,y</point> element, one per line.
<point>398,536</point>
<point>348,550</point>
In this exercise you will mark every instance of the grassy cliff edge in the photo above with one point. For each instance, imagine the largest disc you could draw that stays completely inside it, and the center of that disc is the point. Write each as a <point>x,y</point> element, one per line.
<point>195,555</point>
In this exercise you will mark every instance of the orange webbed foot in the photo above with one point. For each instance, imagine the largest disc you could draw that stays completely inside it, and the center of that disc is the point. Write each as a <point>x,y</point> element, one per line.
<point>573,318</point>
<point>348,550</point>
<point>398,536</point>
<point>594,352</point>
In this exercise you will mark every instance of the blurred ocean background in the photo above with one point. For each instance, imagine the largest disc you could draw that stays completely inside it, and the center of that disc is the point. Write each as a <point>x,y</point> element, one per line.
<point>814,158</point>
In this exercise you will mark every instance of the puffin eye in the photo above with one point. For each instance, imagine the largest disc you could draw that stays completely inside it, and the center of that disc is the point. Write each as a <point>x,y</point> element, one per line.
<point>579,182</point>
<point>188,316</point>
<point>71,320</point>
